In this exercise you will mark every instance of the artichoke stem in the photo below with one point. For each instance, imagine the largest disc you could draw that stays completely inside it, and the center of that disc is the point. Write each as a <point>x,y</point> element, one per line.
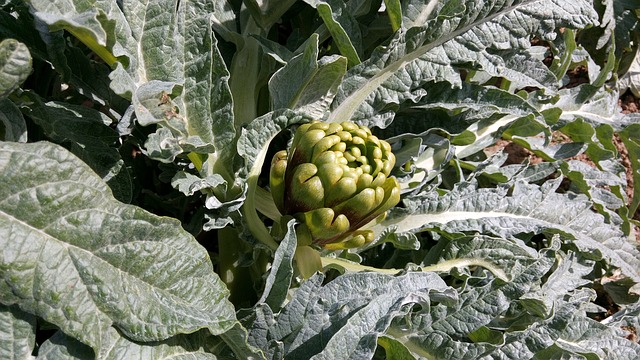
<point>308,261</point>
<point>236,277</point>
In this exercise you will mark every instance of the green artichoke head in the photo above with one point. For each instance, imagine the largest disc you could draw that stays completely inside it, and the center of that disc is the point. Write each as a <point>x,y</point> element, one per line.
<point>334,179</point>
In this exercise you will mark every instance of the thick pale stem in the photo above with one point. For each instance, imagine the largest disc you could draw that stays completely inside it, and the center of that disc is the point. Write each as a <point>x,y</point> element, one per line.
<point>256,226</point>
<point>236,277</point>
<point>245,71</point>
<point>444,266</point>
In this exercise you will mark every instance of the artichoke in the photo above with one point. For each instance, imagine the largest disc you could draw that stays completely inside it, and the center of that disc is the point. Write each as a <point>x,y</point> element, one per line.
<point>334,180</point>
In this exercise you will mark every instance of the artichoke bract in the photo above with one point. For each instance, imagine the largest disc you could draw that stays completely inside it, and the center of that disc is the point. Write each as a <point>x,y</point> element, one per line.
<point>334,180</point>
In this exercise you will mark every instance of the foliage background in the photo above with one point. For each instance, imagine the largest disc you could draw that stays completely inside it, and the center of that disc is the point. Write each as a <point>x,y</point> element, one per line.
<point>135,218</point>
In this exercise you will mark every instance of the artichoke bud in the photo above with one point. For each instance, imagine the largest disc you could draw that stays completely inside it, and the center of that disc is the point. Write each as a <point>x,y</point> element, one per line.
<point>306,191</point>
<point>343,190</point>
<point>357,239</point>
<point>276,178</point>
<point>324,224</point>
<point>335,179</point>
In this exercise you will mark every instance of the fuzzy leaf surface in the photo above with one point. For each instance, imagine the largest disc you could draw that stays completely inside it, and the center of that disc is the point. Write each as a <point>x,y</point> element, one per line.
<point>457,34</point>
<point>18,335</point>
<point>83,261</point>
<point>15,65</point>
<point>527,209</point>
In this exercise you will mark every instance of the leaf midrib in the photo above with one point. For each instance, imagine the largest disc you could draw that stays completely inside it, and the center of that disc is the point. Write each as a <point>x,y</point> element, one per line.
<point>346,109</point>
<point>45,235</point>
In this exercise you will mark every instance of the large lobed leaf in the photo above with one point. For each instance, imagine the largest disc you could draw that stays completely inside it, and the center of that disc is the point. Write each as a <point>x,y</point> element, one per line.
<point>526,209</point>
<point>344,318</point>
<point>82,261</point>
<point>489,35</point>
<point>566,334</point>
<point>18,333</point>
<point>305,83</point>
<point>179,347</point>
<point>541,313</point>
<point>166,60</point>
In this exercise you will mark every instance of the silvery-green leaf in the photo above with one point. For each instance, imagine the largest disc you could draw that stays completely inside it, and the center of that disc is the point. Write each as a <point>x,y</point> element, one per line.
<point>550,151</point>
<point>582,335</point>
<point>523,68</point>
<point>511,256</point>
<point>480,305</point>
<point>518,331</point>
<point>179,347</point>
<point>277,51</point>
<point>487,131</point>
<point>258,321</point>
<point>162,146</point>
<point>83,261</point>
<point>595,183</point>
<point>476,113</point>
<point>473,97</point>
<point>570,274</point>
<point>279,279</point>
<point>305,83</point>
<point>631,140</point>
<point>631,79</point>
<point>169,67</point>
<point>18,334</point>
<point>566,334</point>
<point>87,76</point>
<point>495,168</point>
<point>189,184</point>
<point>15,65</point>
<point>417,12</point>
<point>406,241</point>
<point>99,24</point>
<point>525,209</point>
<point>628,316</point>
<point>335,322</point>
<point>321,89</point>
<point>456,33</point>
<point>191,94</point>
<point>240,344</point>
<point>12,125</point>
<point>608,21</point>
<point>342,25</point>
<point>224,20</point>
<point>596,106</point>
<point>206,98</point>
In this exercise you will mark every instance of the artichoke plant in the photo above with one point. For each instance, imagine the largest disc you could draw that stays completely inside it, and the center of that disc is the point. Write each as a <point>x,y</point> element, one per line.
<point>334,180</point>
